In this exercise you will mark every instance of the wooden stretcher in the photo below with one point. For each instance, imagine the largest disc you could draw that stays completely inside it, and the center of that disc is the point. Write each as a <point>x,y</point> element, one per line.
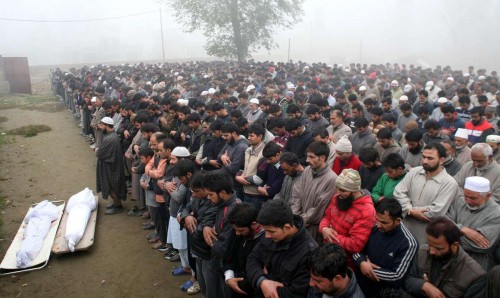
<point>9,264</point>
<point>60,246</point>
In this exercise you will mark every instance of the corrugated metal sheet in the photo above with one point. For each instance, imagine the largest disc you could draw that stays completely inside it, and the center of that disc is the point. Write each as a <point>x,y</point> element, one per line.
<point>17,73</point>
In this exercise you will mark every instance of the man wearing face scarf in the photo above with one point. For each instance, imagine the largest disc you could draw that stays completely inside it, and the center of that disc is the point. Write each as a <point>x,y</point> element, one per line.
<point>350,217</point>
<point>483,165</point>
<point>478,218</point>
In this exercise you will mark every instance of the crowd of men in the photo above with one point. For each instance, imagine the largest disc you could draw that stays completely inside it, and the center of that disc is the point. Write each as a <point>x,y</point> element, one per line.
<point>302,180</point>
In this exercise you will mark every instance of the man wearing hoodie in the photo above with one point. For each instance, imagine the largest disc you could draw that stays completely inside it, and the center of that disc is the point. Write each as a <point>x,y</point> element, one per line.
<point>314,188</point>
<point>350,216</point>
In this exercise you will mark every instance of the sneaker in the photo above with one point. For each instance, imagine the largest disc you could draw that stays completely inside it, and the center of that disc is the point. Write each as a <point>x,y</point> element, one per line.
<point>164,248</point>
<point>194,289</point>
<point>92,146</point>
<point>173,253</point>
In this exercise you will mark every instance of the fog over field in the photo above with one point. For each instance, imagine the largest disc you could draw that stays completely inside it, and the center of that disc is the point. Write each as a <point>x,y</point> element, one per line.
<point>423,32</point>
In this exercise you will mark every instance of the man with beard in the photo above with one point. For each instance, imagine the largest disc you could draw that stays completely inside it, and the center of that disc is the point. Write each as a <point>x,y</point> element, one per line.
<point>412,150</point>
<point>314,116</point>
<point>387,257</point>
<point>211,147</point>
<point>426,192</point>
<point>232,156</point>
<point>450,164</point>
<point>293,170</point>
<point>350,216</point>
<point>442,268</point>
<point>478,127</point>
<point>330,276</point>
<point>314,188</point>
<point>493,141</point>
<point>338,128</point>
<point>433,133</point>
<point>110,175</point>
<point>461,148</point>
<point>478,218</point>
<point>482,164</point>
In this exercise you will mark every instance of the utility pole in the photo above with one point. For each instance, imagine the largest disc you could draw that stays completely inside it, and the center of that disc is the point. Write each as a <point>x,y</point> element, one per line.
<point>288,50</point>
<point>162,42</point>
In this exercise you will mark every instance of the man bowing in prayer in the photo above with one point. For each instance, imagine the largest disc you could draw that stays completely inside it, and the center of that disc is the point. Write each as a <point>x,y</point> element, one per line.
<point>110,174</point>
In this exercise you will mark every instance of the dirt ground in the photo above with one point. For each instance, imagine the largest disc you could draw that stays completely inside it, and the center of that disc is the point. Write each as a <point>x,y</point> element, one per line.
<point>56,165</point>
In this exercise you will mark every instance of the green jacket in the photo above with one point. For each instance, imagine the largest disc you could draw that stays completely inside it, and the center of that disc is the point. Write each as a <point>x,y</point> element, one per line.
<point>385,187</point>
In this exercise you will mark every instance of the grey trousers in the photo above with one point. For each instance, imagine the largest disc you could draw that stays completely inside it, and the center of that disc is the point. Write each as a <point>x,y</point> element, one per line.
<point>137,191</point>
<point>212,284</point>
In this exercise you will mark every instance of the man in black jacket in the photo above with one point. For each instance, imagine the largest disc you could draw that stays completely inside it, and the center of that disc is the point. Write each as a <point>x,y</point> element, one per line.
<point>220,237</point>
<point>277,266</point>
<point>248,234</point>
<point>199,213</point>
<point>300,138</point>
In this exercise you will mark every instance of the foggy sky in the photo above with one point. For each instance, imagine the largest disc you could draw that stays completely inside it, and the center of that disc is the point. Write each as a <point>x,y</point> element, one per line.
<point>423,32</point>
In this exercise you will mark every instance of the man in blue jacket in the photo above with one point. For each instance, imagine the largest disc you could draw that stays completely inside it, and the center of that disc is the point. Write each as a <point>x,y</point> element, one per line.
<point>386,258</point>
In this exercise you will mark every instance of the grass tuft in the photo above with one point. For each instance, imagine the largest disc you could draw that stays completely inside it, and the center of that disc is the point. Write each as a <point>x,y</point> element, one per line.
<point>29,130</point>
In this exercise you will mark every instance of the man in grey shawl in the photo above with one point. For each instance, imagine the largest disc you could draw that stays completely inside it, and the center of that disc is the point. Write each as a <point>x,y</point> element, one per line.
<point>110,174</point>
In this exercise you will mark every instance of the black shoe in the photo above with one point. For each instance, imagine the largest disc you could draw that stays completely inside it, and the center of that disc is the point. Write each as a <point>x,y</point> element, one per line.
<point>109,206</point>
<point>174,256</point>
<point>114,210</point>
<point>163,248</point>
<point>148,227</point>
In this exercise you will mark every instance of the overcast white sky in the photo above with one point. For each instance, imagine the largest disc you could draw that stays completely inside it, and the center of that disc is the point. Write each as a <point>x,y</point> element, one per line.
<point>424,32</point>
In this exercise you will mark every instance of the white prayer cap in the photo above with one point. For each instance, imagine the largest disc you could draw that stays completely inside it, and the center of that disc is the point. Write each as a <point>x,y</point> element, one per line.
<point>254,100</point>
<point>403,98</point>
<point>205,76</point>
<point>94,99</point>
<point>204,93</point>
<point>362,71</point>
<point>180,78</point>
<point>429,84</point>
<point>183,102</point>
<point>180,152</point>
<point>362,88</point>
<point>211,91</point>
<point>250,87</point>
<point>442,100</point>
<point>462,133</point>
<point>407,88</point>
<point>477,184</point>
<point>481,78</point>
<point>466,74</point>
<point>107,120</point>
<point>290,86</point>
<point>450,79</point>
<point>493,139</point>
<point>394,83</point>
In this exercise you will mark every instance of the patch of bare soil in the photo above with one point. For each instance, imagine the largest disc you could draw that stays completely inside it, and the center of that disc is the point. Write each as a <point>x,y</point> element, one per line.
<point>55,165</point>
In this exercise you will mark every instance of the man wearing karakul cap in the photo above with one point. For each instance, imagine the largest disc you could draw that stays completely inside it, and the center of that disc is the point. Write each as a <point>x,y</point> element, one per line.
<point>478,218</point>
<point>110,174</point>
